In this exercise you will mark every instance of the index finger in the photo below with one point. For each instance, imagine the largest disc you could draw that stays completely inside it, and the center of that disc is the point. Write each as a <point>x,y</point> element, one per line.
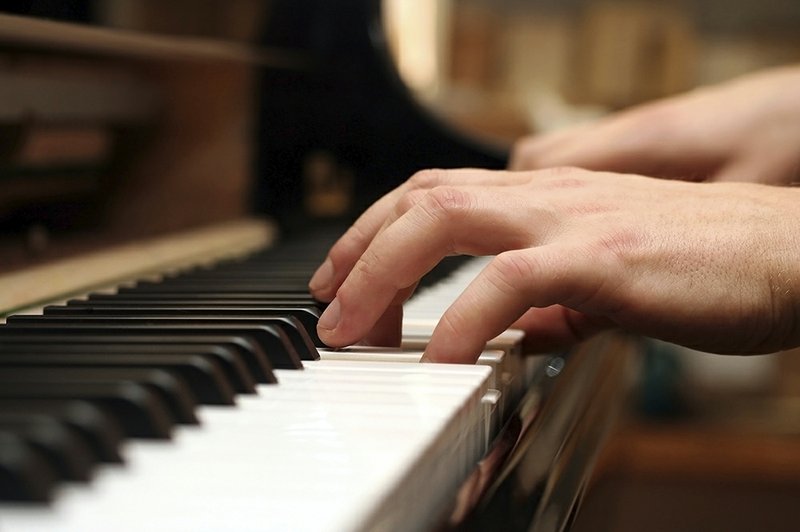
<point>448,220</point>
<point>344,254</point>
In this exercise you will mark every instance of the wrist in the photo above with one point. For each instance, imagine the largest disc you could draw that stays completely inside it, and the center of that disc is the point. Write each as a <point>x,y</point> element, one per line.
<point>785,274</point>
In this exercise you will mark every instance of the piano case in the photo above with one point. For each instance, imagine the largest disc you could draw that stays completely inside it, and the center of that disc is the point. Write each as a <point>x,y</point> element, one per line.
<point>112,137</point>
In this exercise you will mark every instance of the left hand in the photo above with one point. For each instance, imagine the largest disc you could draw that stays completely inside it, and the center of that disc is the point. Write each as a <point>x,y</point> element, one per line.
<point>747,129</point>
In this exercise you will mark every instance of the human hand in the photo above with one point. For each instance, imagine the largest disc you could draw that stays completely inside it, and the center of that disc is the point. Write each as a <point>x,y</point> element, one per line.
<point>711,266</point>
<point>344,255</point>
<point>744,130</point>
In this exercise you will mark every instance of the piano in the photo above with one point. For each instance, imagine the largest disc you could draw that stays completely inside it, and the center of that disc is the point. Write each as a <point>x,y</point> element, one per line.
<point>159,366</point>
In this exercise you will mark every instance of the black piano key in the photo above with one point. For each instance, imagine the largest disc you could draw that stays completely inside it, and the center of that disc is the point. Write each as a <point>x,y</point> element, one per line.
<point>213,288</point>
<point>203,377</point>
<point>271,340</point>
<point>103,434</point>
<point>286,280</point>
<point>246,271</point>
<point>25,475</point>
<point>141,412</point>
<point>242,351</point>
<point>234,372</point>
<point>186,302</point>
<point>236,291</point>
<point>64,447</point>
<point>290,297</point>
<point>172,390</point>
<point>261,298</point>
<point>302,334</point>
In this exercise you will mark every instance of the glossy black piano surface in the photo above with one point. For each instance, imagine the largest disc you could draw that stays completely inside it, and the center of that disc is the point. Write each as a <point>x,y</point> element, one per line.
<point>351,105</point>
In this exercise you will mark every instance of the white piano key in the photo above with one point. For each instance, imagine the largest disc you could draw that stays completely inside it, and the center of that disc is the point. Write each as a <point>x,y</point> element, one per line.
<point>307,454</point>
<point>344,445</point>
<point>422,313</point>
<point>491,358</point>
<point>500,382</point>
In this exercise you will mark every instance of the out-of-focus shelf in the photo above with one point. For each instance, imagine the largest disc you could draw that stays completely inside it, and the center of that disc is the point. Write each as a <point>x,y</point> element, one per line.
<point>722,471</point>
<point>47,35</point>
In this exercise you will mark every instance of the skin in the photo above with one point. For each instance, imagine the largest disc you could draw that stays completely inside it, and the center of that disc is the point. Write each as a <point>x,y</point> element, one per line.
<point>745,130</point>
<point>713,266</point>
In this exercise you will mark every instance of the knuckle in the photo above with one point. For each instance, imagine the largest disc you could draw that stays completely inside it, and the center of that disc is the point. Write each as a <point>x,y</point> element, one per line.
<point>446,202</point>
<point>563,172</point>
<point>425,179</point>
<point>363,276</point>
<point>618,245</point>
<point>559,178</point>
<point>367,267</point>
<point>453,322</point>
<point>511,271</point>
<point>408,201</point>
<point>349,246</point>
<point>372,272</point>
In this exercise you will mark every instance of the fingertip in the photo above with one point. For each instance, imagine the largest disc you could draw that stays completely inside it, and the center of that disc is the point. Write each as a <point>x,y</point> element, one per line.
<point>328,321</point>
<point>447,356</point>
<point>321,281</point>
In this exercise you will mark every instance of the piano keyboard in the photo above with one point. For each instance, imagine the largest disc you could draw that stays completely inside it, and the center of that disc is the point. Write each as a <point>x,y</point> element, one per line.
<point>354,439</point>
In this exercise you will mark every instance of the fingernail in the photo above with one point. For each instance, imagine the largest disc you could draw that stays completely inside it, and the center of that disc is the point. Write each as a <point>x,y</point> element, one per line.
<point>322,277</point>
<point>425,359</point>
<point>330,318</point>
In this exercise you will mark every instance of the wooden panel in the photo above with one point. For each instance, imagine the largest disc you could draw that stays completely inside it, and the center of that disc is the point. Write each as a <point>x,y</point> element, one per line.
<point>42,284</point>
<point>185,163</point>
<point>195,164</point>
<point>693,476</point>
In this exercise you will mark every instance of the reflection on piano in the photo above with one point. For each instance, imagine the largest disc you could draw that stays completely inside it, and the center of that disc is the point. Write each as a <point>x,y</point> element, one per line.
<point>179,384</point>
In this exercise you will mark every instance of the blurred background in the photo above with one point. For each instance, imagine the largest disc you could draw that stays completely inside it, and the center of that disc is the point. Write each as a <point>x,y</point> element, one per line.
<point>504,68</point>
<point>510,67</point>
<point>707,442</point>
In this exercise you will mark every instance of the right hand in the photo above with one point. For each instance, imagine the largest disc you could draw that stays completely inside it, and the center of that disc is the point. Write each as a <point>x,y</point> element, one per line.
<point>709,266</point>
<point>744,130</point>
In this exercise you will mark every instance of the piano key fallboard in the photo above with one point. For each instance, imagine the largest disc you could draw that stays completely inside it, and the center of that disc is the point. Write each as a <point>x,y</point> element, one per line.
<point>204,400</point>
